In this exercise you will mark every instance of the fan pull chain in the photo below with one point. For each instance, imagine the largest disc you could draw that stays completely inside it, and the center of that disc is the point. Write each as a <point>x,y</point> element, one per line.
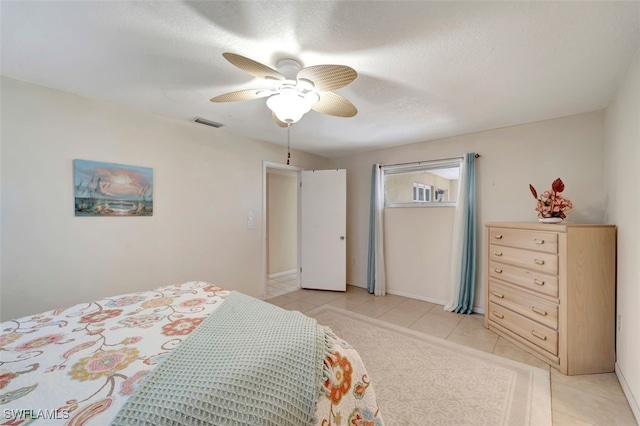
<point>288,143</point>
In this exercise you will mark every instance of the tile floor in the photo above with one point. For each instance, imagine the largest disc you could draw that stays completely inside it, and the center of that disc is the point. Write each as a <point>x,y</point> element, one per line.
<point>595,399</point>
<point>282,285</point>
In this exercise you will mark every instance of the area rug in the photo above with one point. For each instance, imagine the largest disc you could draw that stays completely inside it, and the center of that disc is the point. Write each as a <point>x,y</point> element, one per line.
<point>423,380</point>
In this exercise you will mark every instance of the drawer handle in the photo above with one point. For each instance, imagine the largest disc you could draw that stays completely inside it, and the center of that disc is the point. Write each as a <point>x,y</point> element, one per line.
<point>501,296</point>
<point>497,253</point>
<point>497,271</point>
<point>538,311</point>
<point>538,335</point>
<point>497,237</point>
<point>538,261</point>
<point>495,314</point>
<point>537,281</point>
<point>539,242</point>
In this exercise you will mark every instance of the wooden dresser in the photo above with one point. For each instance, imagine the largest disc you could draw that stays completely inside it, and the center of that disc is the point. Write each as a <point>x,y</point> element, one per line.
<point>551,291</point>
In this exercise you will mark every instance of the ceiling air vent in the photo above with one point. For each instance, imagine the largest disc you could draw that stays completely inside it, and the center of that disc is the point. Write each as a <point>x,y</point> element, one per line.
<point>208,122</point>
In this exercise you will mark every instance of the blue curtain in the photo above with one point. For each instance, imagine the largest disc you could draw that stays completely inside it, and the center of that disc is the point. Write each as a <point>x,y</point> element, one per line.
<point>469,246</point>
<point>371,265</point>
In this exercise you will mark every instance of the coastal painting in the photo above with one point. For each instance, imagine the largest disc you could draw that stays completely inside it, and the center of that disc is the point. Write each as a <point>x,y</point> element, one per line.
<point>108,189</point>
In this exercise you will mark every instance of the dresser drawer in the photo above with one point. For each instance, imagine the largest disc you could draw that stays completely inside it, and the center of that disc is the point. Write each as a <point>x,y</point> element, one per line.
<point>529,330</point>
<point>532,307</point>
<point>530,240</point>
<point>531,280</point>
<point>542,262</point>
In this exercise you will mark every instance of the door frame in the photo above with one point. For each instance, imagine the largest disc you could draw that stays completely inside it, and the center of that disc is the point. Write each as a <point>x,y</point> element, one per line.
<point>271,165</point>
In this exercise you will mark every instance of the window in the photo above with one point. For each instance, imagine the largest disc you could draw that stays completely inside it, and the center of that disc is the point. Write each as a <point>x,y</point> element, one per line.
<point>421,192</point>
<point>425,184</point>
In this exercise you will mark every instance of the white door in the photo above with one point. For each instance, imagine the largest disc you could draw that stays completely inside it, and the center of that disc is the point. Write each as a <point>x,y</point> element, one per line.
<point>323,218</point>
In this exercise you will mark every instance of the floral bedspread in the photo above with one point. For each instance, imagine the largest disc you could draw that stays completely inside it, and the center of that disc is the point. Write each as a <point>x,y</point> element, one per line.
<point>79,365</point>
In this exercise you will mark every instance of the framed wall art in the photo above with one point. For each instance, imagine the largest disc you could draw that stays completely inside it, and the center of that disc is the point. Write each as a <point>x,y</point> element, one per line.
<point>109,189</point>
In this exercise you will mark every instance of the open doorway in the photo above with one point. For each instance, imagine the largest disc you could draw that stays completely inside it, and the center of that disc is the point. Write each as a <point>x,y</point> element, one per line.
<point>280,229</point>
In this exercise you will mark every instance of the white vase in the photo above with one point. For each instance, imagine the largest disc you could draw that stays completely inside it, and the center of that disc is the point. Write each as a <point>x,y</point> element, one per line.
<point>550,219</point>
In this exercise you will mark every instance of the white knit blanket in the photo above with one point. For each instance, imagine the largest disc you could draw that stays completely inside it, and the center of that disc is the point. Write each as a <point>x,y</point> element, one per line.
<point>249,363</point>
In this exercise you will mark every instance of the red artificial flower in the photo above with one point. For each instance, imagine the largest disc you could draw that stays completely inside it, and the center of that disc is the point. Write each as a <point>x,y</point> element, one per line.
<point>551,203</point>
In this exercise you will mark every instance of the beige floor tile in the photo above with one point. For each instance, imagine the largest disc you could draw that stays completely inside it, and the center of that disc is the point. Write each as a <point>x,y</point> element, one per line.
<point>299,305</point>
<point>506,349</point>
<point>576,400</point>
<point>280,300</point>
<point>390,302</point>
<point>345,303</point>
<point>384,302</point>
<point>589,407</point>
<point>320,297</point>
<point>436,324</point>
<point>390,298</point>
<point>273,292</point>
<point>299,294</point>
<point>401,317</point>
<point>470,332</point>
<point>370,310</point>
<point>414,305</point>
<point>562,419</point>
<point>472,322</point>
<point>356,296</point>
<point>605,385</point>
<point>356,288</point>
<point>286,277</point>
<point>439,310</point>
<point>281,285</point>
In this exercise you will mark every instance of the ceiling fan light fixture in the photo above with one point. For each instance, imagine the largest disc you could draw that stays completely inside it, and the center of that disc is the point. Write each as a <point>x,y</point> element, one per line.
<point>289,106</point>
<point>305,85</point>
<point>295,90</point>
<point>312,97</point>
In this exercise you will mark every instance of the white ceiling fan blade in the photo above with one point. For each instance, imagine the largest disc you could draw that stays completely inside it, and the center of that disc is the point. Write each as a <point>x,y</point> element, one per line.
<point>328,77</point>
<point>252,67</point>
<point>333,104</point>
<point>243,95</point>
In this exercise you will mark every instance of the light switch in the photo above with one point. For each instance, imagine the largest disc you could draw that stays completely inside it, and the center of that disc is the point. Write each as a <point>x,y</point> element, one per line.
<point>250,220</point>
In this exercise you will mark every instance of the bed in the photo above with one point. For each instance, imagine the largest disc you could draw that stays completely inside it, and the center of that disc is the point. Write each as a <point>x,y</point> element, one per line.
<point>104,362</point>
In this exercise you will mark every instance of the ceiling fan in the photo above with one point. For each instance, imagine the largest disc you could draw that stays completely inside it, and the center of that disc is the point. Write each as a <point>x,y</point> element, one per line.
<point>296,90</point>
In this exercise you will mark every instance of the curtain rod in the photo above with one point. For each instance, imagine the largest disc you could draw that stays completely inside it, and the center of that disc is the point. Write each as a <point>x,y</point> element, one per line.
<point>426,161</point>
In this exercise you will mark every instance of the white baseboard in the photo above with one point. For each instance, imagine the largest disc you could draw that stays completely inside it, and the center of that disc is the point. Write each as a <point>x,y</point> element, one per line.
<point>628,394</point>
<point>283,273</point>
<point>417,297</point>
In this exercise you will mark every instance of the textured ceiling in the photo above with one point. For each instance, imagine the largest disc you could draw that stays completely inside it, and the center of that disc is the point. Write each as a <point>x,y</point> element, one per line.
<point>426,69</point>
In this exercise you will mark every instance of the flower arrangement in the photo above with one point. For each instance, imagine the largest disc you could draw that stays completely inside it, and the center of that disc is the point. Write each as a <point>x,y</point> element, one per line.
<point>551,203</point>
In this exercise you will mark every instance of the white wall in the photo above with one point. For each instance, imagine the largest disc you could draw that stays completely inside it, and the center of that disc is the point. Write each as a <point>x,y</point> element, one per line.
<point>282,221</point>
<point>205,183</point>
<point>622,175</point>
<point>512,158</point>
<point>418,252</point>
